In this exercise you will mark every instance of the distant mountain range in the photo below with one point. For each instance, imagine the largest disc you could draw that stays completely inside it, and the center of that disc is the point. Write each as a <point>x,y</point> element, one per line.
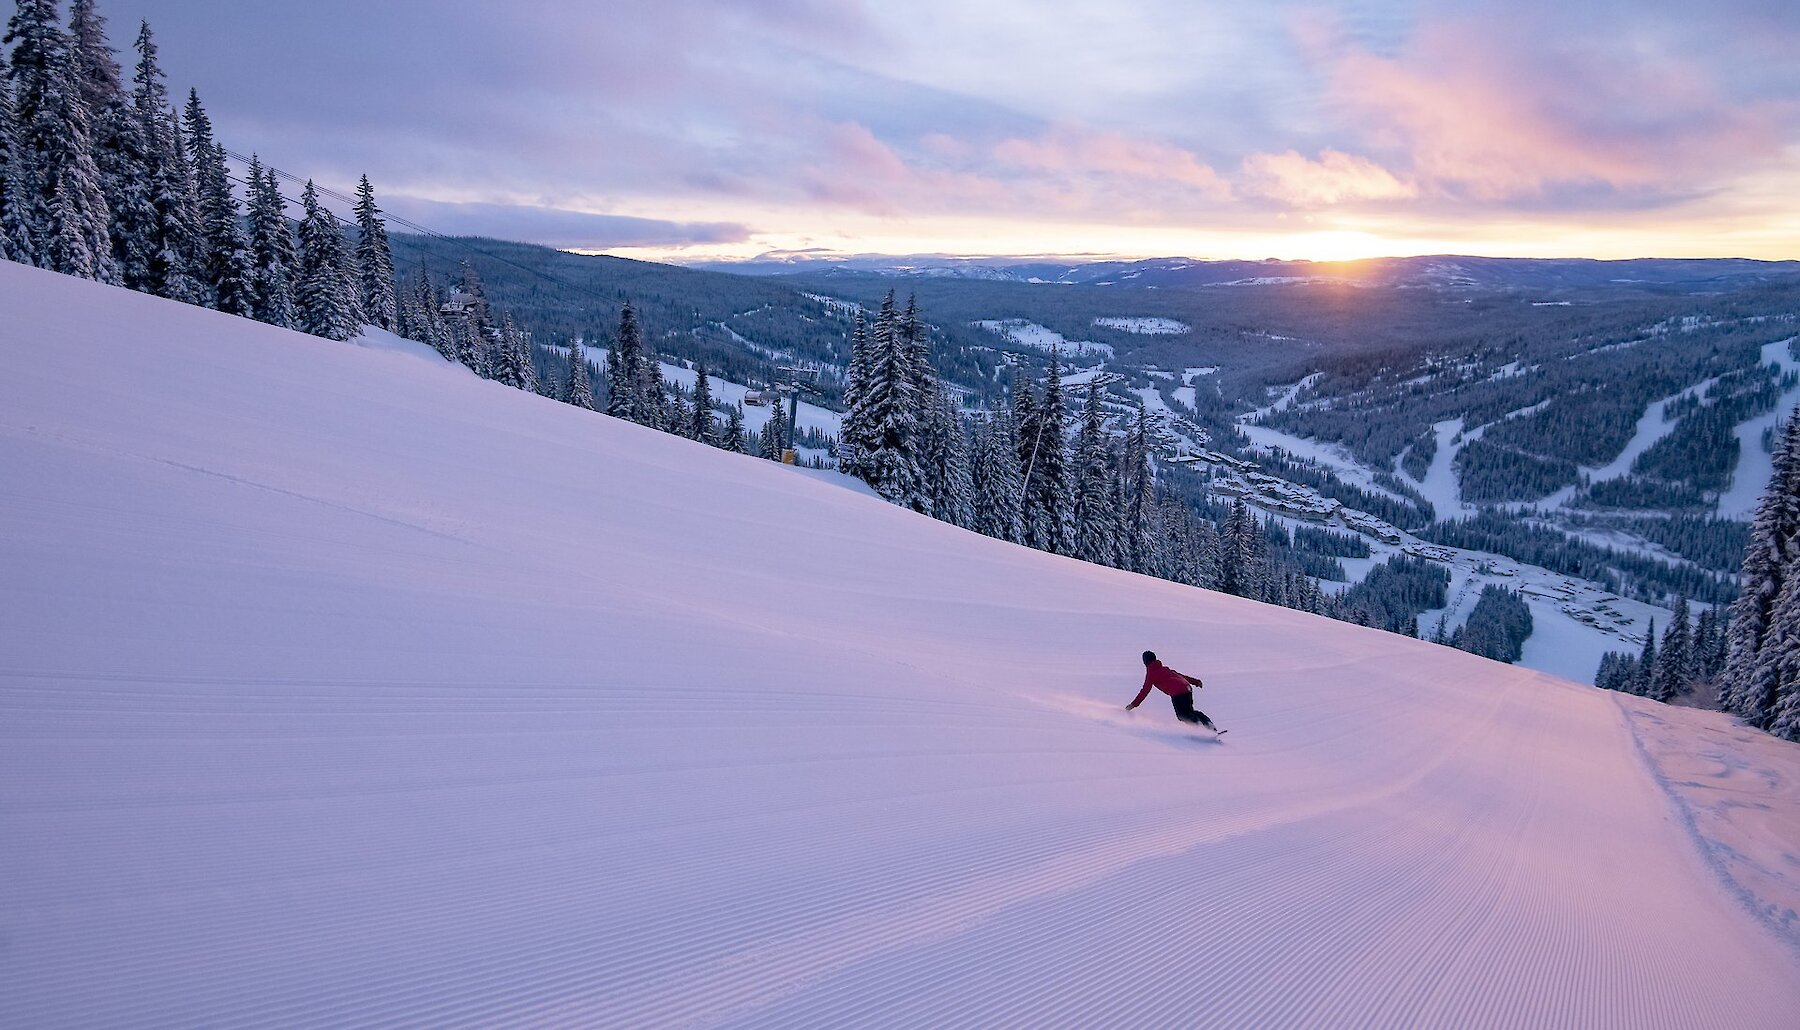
<point>1682,275</point>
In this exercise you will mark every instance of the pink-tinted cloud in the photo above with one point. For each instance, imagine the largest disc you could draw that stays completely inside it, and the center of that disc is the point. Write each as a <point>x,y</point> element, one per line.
<point>1073,151</point>
<point>1336,177</point>
<point>855,169</point>
<point>1515,111</point>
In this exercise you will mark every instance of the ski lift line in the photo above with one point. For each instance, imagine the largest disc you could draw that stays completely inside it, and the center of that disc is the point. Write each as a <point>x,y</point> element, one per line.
<point>414,226</point>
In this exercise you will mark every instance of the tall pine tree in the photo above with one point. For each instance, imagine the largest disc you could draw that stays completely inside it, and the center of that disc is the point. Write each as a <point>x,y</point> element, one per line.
<point>578,386</point>
<point>226,263</point>
<point>121,150</point>
<point>854,432</point>
<point>66,214</point>
<point>271,250</point>
<point>773,433</point>
<point>998,487</point>
<point>321,292</point>
<point>174,243</point>
<point>1091,512</point>
<point>733,439</point>
<point>374,259</point>
<point>893,404</point>
<point>701,427</point>
<point>1048,472</point>
<point>16,243</point>
<point>624,370</point>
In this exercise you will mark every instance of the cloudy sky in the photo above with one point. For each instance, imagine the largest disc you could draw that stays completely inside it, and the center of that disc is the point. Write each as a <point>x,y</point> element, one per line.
<point>690,129</point>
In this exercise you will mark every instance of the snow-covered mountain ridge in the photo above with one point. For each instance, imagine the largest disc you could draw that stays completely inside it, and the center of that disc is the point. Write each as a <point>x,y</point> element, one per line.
<point>343,687</point>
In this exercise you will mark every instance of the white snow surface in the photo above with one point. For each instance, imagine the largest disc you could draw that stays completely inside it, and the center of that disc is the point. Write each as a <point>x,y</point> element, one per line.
<point>341,687</point>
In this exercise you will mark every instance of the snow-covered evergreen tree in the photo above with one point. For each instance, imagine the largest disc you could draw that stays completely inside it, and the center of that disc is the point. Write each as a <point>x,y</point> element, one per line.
<point>578,385</point>
<point>68,251</point>
<point>624,370</point>
<point>1776,676</point>
<point>1645,668</point>
<point>96,71</point>
<point>1092,511</point>
<point>321,293</point>
<point>1027,434</point>
<point>120,148</point>
<point>1207,564</point>
<point>174,243</point>
<point>854,431</point>
<point>701,426</point>
<point>949,477</point>
<point>891,465</point>
<point>733,439</point>
<point>1051,480</point>
<point>226,265</point>
<point>426,322</point>
<point>66,214</point>
<point>16,243</point>
<point>1139,509</point>
<point>1243,563</point>
<point>271,250</point>
<point>1617,672</point>
<point>774,432</point>
<point>1672,674</point>
<point>653,389</point>
<point>998,488</point>
<point>374,259</point>
<point>513,365</point>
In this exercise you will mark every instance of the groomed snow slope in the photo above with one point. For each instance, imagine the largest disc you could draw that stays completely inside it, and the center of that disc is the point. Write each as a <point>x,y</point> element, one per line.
<point>340,687</point>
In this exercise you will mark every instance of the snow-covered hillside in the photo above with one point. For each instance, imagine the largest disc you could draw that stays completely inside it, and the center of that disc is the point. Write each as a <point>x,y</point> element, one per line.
<point>341,687</point>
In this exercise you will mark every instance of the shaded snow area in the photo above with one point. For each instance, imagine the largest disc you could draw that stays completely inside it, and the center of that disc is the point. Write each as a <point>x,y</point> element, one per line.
<point>341,687</point>
<point>1145,326</point>
<point>1029,334</point>
<point>1738,796</point>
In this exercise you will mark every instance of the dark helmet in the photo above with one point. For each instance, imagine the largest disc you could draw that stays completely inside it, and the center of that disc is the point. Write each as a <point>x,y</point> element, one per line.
<point>1149,656</point>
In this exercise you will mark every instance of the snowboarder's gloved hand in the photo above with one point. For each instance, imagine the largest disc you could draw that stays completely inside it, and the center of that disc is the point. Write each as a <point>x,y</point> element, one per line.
<point>1130,706</point>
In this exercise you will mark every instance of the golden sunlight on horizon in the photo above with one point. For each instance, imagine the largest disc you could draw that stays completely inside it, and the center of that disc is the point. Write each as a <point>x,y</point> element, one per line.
<point>1770,242</point>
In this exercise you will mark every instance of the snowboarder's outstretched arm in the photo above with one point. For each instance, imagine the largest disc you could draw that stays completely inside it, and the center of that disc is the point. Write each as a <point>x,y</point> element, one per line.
<point>1143,693</point>
<point>1192,682</point>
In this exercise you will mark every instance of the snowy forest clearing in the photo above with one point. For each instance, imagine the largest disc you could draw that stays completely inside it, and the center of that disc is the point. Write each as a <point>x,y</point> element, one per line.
<point>346,687</point>
<point>1145,326</point>
<point>1030,334</point>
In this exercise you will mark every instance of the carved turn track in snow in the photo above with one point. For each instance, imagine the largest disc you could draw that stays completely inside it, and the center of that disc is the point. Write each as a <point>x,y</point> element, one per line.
<point>344,688</point>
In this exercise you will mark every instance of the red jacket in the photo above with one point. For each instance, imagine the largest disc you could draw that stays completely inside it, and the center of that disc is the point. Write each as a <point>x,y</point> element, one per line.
<point>1165,679</point>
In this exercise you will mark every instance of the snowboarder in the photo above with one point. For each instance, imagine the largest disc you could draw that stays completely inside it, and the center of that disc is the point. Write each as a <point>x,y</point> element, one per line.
<point>1180,688</point>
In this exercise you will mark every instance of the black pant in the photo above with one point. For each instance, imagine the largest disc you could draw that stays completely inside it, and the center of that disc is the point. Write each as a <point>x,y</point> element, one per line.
<point>1186,712</point>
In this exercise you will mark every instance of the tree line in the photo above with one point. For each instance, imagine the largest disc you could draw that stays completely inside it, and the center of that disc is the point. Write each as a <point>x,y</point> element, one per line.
<point>118,186</point>
<point>1760,681</point>
<point>1687,659</point>
<point>1748,655</point>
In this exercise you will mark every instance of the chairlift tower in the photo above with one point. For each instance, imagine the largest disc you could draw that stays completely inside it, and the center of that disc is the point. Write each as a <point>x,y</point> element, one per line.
<point>798,379</point>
